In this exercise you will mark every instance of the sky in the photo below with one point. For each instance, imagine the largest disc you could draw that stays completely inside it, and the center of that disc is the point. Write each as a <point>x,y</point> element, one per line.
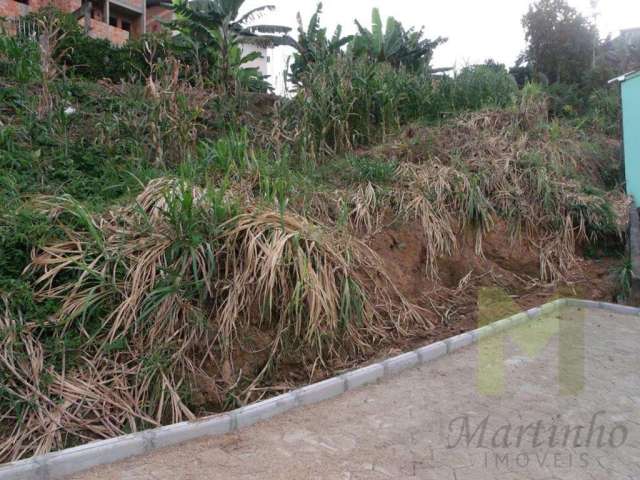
<point>477,29</point>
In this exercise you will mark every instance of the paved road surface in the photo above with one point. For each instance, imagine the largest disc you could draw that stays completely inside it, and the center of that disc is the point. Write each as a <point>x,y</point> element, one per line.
<point>429,422</point>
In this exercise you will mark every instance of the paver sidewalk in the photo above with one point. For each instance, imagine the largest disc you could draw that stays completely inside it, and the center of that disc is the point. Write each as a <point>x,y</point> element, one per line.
<point>418,424</point>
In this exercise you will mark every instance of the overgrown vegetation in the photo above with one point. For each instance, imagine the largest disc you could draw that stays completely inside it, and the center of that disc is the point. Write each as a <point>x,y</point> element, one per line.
<point>565,52</point>
<point>174,243</point>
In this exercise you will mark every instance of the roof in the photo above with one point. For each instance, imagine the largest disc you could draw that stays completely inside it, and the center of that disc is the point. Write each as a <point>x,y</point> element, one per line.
<point>625,77</point>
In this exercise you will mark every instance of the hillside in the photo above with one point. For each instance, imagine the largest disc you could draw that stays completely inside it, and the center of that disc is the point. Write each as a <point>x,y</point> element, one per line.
<point>171,250</point>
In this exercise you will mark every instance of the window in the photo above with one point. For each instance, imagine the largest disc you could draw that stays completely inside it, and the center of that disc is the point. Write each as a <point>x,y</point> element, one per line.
<point>25,2</point>
<point>126,26</point>
<point>113,21</point>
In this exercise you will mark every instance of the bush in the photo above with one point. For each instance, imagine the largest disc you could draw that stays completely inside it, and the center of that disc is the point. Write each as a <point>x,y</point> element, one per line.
<point>603,112</point>
<point>96,59</point>
<point>565,100</point>
<point>598,110</point>
<point>19,59</point>
<point>481,86</point>
<point>349,103</point>
<point>80,55</point>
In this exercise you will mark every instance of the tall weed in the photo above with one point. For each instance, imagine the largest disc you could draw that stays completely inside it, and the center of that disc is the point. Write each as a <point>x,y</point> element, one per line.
<point>349,103</point>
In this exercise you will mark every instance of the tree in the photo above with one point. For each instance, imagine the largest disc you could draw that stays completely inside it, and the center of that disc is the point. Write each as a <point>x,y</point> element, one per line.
<point>216,28</point>
<point>561,41</point>
<point>313,45</point>
<point>622,54</point>
<point>394,44</point>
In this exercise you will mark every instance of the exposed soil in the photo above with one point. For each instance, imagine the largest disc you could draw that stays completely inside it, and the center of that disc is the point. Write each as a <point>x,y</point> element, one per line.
<point>510,265</point>
<point>450,301</point>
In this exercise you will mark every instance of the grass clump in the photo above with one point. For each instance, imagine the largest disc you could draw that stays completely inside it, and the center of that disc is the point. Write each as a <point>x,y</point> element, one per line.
<point>350,103</point>
<point>151,292</point>
<point>488,168</point>
<point>480,86</point>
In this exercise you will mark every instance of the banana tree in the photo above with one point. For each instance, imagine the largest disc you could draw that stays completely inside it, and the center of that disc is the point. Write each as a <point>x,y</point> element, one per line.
<point>313,45</point>
<point>218,28</point>
<point>393,44</point>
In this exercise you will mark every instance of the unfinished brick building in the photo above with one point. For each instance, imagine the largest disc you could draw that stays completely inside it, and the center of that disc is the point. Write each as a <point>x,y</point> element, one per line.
<point>113,20</point>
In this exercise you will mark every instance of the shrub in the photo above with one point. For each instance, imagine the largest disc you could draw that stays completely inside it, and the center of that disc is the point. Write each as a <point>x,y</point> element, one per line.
<point>349,103</point>
<point>603,112</point>
<point>565,100</point>
<point>599,110</point>
<point>77,53</point>
<point>19,59</point>
<point>82,56</point>
<point>481,86</point>
<point>96,59</point>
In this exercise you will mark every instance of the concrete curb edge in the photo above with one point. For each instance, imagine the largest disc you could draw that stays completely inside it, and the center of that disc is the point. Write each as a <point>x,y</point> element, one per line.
<point>77,459</point>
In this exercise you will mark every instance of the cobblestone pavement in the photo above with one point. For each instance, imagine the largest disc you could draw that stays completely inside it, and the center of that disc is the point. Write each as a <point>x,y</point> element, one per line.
<point>543,408</point>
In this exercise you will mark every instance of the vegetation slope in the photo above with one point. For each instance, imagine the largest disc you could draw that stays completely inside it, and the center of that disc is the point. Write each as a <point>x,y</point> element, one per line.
<point>170,250</point>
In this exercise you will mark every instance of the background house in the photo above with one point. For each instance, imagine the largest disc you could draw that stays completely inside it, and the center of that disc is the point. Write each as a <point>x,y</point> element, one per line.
<point>262,64</point>
<point>113,20</point>
<point>120,20</point>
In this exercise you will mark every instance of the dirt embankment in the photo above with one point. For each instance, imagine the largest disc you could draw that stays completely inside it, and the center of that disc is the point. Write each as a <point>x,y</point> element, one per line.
<point>510,265</point>
<point>449,301</point>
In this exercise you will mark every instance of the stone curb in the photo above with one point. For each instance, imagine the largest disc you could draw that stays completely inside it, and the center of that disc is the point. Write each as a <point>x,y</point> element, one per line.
<point>610,307</point>
<point>73,460</point>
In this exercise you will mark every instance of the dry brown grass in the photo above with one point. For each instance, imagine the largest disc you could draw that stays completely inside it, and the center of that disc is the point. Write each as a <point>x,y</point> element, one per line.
<point>158,296</point>
<point>166,294</point>
<point>461,178</point>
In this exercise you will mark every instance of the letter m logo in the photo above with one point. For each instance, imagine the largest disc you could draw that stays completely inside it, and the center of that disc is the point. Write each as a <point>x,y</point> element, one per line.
<point>532,339</point>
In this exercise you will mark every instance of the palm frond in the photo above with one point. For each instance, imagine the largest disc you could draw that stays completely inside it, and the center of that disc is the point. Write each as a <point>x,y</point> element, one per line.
<point>268,29</point>
<point>255,14</point>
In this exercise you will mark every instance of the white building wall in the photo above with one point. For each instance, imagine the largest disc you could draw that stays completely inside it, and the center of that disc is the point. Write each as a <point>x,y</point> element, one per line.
<point>272,64</point>
<point>262,64</point>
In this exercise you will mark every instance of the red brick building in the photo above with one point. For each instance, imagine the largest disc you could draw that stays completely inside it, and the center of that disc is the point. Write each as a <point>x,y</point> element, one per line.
<point>114,20</point>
